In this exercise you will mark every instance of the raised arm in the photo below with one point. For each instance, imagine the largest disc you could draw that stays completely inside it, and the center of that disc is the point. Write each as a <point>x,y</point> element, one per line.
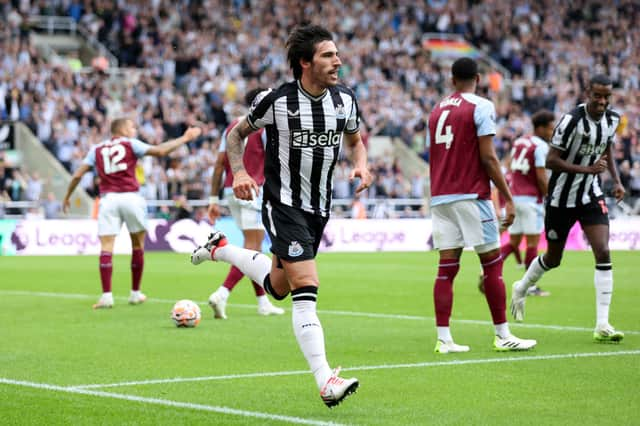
<point>171,145</point>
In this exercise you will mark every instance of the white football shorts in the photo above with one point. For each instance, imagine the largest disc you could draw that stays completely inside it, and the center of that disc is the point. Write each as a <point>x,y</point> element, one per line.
<point>465,223</point>
<point>118,207</point>
<point>529,218</point>
<point>246,214</point>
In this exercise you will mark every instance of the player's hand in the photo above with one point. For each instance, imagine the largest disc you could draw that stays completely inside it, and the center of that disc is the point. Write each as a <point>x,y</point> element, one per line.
<point>244,186</point>
<point>365,178</point>
<point>213,212</point>
<point>192,133</point>
<point>66,205</point>
<point>618,192</point>
<point>600,165</point>
<point>509,215</point>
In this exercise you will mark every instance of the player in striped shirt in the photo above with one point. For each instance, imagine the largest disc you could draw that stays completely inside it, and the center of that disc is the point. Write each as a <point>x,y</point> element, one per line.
<point>306,121</point>
<point>581,149</point>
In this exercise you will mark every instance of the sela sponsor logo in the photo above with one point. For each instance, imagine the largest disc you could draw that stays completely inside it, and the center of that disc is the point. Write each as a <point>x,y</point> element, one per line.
<point>308,139</point>
<point>295,249</point>
<point>592,149</point>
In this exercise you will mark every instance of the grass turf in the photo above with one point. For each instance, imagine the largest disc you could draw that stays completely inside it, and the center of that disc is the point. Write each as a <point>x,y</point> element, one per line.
<point>377,314</point>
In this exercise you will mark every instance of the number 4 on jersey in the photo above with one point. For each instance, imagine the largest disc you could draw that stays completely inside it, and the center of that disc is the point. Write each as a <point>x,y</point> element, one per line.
<point>443,133</point>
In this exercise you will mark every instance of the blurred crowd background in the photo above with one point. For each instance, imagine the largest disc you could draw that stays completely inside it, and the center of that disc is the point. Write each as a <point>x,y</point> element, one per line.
<point>193,60</point>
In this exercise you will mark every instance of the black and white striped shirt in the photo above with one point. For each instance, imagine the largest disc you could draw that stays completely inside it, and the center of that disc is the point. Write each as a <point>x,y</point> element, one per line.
<point>582,141</point>
<point>304,136</point>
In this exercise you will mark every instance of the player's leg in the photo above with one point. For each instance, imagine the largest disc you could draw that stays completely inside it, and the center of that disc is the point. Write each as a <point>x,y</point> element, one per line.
<point>133,209</point>
<point>109,224</point>
<point>253,241</point>
<point>137,267</point>
<point>512,246</point>
<point>479,226</point>
<point>296,246</point>
<point>218,299</point>
<point>257,266</point>
<point>106,271</point>
<point>558,223</point>
<point>595,224</point>
<point>448,239</point>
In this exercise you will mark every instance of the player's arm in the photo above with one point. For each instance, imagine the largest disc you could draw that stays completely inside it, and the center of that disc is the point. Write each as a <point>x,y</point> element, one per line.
<point>243,184</point>
<point>618,188</point>
<point>75,180</point>
<point>167,147</point>
<point>359,159</point>
<point>542,180</point>
<point>491,165</point>
<point>216,180</point>
<point>556,163</point>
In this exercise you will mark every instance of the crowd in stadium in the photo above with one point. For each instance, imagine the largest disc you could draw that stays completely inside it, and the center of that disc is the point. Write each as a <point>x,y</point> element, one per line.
<point>196,59</point>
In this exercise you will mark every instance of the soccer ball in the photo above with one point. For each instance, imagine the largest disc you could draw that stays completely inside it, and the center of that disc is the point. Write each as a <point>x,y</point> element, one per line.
<point>185,313</point>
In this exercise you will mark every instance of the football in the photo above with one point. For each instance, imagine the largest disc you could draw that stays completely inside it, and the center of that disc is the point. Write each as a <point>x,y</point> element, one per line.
<point>185,313</point>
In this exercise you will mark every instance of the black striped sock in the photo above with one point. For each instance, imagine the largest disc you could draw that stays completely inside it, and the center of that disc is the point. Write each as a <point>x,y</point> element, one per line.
<point>305,293</point>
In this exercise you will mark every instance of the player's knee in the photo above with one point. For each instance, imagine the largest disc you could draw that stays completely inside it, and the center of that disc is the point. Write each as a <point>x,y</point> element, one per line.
<point>268,287</point>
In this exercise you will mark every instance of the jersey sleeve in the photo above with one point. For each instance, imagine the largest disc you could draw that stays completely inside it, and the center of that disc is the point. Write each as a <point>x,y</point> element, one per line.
<point>353,121</point>
<point>261,111</point>
<point>139,148</point>
<point>540,154</point>
<point>615,122</point>
<point>484,116</point>
<point>90,158</point>
<point>563,133</point>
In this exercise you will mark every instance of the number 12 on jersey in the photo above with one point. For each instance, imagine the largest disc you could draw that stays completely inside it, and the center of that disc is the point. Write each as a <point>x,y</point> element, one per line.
<point>443,133</point>
<point>112,157</point>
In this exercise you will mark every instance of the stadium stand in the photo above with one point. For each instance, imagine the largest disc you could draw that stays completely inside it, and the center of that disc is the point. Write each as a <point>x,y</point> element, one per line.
<point>193,60</point>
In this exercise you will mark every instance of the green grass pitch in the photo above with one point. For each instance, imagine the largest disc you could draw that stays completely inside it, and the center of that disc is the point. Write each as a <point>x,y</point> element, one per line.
<point>63,363</point>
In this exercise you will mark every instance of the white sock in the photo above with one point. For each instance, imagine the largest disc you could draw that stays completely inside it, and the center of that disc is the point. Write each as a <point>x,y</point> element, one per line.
<point>224,292</point>
<point>603,280</point>
<point>253,264</point>
<point>444,334</point>
<point>533,274</point>
<point>263,300</point>
<point>135,293</point>
<point>309,334</point>
<point>502,330</point>
<point>107,295</point>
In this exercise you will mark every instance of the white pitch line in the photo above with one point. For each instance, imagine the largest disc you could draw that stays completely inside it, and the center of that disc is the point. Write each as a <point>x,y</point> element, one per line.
<point>364,368</point>
<point>320,311</point>
<point>170,403</point>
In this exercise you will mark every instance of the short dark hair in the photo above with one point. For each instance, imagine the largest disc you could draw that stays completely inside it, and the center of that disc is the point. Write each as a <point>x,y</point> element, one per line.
<point>464,69</point>
<point>301,44</point>
<point>600,79</point>
<point>251,95</point>
<point>542,118</point>
<point>118,124</point>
